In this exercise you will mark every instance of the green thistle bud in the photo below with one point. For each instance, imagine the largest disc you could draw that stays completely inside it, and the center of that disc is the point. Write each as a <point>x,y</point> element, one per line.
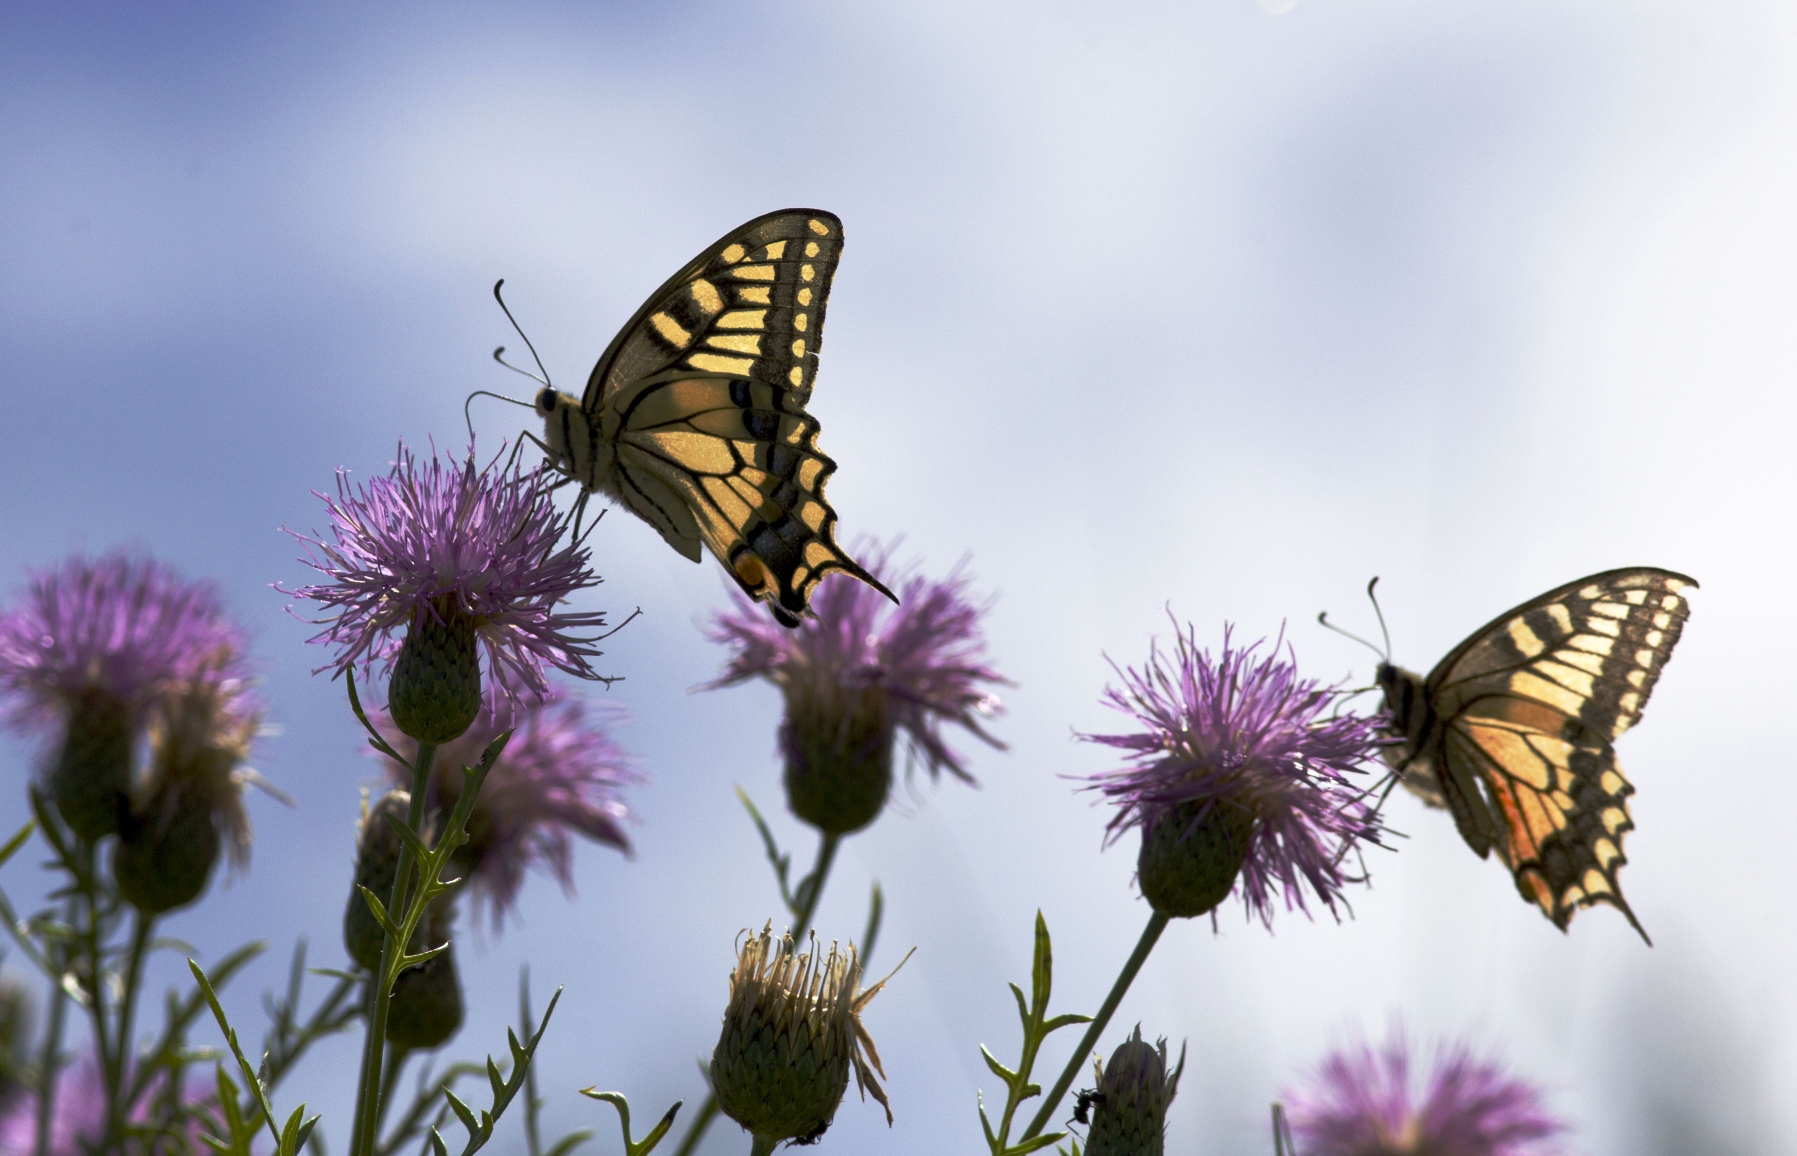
<point>192,798</point>
<point>91,778</point>
<point>1134,1090</point>
<point>838,745</point>
<point>15,1039</point>
<point>165,857</point>
<point>435,692</point>
<point>377,862</point>
<point>1188,864</point>
<point>791,1035</point>
<point>426,1007</point>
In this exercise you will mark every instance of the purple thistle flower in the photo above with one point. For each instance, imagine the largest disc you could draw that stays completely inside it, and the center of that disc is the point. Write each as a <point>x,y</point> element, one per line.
<point>78,1114</point>
<point>121,625</point>
<point>561,772</point>
<point>1241,744</point>
<point>447,537</point>
<point>1359,1104</point>
<point>862,672</point>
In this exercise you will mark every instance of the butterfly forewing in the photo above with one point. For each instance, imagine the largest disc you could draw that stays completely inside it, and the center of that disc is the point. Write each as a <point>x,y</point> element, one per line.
<point>750,306</point>
<point>1524,713</point>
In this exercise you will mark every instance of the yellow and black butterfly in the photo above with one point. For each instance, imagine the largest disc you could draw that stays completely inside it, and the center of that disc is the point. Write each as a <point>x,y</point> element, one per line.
<point>1512,731</point>
<point>694,418</point>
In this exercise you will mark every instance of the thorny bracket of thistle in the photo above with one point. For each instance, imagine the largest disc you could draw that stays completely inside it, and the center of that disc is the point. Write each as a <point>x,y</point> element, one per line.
<point>1037,1027</point>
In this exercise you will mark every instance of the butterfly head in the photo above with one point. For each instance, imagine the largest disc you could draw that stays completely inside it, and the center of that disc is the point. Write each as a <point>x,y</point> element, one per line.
<point>568,437</point>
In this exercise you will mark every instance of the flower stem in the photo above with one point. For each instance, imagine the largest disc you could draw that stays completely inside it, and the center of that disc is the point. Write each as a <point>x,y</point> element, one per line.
<point>763,1146</point>
<point>116,1091</point>
<point>47,1065</point>
<point>813,888</point>
<point>380,989</point>
<point>1157,923</point>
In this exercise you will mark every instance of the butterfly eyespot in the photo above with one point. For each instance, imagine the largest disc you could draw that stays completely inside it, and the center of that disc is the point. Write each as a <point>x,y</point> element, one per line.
<point>751,572</point>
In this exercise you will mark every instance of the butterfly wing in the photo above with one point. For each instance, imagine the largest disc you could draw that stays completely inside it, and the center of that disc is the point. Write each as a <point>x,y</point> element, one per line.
<point>703,395</point>
<point>1529,707</point>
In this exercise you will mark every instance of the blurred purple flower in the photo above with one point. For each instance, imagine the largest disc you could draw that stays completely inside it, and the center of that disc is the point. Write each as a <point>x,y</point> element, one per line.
<point>561,772</point>
<point>122,626</point>
<point>1358,1103</point>
<point>483,540</point>
<point>927,656</point>
<point>78,1116</point>
<point>1246,733</point>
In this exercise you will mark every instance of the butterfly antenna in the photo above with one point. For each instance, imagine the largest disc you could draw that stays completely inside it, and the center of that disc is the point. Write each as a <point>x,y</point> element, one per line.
<point>544,379</point>
<point>469,418</point>
<point>1374,599</point>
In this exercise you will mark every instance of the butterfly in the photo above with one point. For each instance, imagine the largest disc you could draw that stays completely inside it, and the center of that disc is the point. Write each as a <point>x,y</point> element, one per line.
<point>1512,731</point>
<point>694,417</point>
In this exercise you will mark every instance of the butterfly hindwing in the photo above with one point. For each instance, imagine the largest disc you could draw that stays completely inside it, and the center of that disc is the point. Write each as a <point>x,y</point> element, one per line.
<point>1517,722</point>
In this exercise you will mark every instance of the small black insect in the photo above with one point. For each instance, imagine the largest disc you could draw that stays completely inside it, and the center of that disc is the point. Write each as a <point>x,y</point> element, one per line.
<point>814,1135</point>
<point>1082,1107</point>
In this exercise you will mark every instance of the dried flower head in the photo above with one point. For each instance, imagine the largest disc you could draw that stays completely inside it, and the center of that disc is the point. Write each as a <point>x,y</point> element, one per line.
<point>90,649</point>
<point>190,805</point>
<point>1131,1099</point>
<point>1238,779</point>
<point>1358,1103</point>
<point>791,1035</point>
<point>561,772</point>
<point>861,673</point>
<point>460,557</point>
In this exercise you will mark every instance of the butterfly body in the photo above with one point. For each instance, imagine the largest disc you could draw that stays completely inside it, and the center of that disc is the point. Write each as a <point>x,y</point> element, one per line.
<point>1512,732</point>
<point>694,418</point>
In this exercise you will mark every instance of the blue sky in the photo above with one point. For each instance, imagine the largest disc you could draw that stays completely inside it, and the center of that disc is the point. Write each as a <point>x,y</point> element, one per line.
<point>1146,306</point>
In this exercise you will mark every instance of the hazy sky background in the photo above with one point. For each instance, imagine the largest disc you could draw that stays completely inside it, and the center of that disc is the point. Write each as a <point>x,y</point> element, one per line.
<point>1193,305</point>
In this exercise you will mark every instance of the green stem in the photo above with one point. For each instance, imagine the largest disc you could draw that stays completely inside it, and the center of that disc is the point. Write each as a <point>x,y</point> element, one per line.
<point>380,993</point>
<point>47,1065</point>
<point>763,1146</point>
<point>95,980</point>
<point>396,1063</point>
<point>814,891</point>
<point>1157,923</point>
<point>116,1108</point>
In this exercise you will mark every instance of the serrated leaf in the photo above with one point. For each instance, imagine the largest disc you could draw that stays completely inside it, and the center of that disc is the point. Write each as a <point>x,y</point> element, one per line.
<point>998,1069</point>
<point>1035,1143</point>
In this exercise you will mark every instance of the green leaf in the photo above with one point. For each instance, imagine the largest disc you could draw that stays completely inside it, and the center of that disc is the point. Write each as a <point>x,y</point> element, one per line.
<point>1064,1021</point>
<point>249,1073</point>
<point>1042,973</point>
<point>998,1069</point>
<point>13,844</point>
<point>876,907</point>
<point>379,911</point>
<point>570,1142</point>
<point>463,1113</point>
<point>408,836</point>
<point>782,863</point>
<point>1035,1143</point>
<point>1023,1010</point>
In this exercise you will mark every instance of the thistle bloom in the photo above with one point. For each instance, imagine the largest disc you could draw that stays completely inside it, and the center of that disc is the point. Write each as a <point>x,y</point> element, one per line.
<point>1238,779</point>
<point>90,649</point>
<point>78,1115</point>
<point>858,675</point>
<point>791,1035</point>
<point>561,772</point>
<point>462,558</point>
<point>1358,1103</point>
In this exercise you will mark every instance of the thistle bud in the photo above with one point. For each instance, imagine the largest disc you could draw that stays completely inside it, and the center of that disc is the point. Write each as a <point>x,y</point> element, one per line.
<point>426,1007</point>
<point>192,799</point>
<point>435,692</point>
<point>91,778</point>
<point>15,1039</point>
<point>791,1035</point>
<point>838,745</point>
<point>1191,855</point>
<point>1130,1117</point>
<point>377,862</point>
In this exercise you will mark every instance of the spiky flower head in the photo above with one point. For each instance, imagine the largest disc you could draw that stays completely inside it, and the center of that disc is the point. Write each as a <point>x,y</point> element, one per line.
<point>562,773</point>
<point>791,1035</point>
<point>1359,1103</point>
<point>78,1116</point>
<point>1131,1098</point>
<point>190,806</point>
<point>378,847</point>
<point>427,1006</point>
<point>462,558</point>
<point>861,673</point>
<point>88,651</point>
<point>1238,779</point>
